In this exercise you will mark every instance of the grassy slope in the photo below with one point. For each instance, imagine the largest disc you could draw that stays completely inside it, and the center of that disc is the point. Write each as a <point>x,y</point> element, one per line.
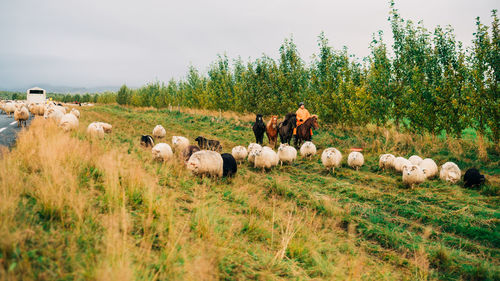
<point>79,208</point>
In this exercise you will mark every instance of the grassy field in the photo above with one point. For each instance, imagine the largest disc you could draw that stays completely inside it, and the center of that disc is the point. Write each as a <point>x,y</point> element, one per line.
<point>76,208</point>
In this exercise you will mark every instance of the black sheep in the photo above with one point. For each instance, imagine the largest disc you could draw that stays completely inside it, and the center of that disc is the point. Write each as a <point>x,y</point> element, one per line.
<point>472,178</point>
<point>229,166</point>
<point>259,128</point>
<point>147,140</point>
<point>205,143</point>
<point>202,142</point>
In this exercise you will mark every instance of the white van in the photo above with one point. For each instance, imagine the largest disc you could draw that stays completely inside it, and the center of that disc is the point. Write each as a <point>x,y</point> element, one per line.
<point>36,95</point>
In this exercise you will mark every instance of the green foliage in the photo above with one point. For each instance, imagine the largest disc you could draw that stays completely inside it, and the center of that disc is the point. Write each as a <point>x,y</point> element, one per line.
<point>123,95</point>
<point>106,98</point>
<point>429,84</point>
<point>6,95</point>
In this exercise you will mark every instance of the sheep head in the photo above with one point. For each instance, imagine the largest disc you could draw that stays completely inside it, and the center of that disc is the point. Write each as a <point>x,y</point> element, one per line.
<point>282,146</point>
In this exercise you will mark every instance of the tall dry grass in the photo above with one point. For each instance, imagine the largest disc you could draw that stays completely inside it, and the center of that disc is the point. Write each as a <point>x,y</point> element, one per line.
<point>99,210</point>
<point>57,190</point>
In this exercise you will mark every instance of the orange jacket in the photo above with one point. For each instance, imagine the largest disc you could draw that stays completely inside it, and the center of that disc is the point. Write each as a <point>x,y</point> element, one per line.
<point>302,116</point>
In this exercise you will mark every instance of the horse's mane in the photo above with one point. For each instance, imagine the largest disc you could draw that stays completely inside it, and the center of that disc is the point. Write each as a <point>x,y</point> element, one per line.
<point>288,116</point>
<point>271,121</point>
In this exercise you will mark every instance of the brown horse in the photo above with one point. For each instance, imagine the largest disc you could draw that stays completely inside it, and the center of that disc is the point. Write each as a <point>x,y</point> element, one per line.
<point>304,130</point>
<point>272,130</point>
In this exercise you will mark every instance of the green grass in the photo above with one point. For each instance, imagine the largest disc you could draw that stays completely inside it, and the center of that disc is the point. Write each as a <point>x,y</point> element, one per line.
<point>346,225</point>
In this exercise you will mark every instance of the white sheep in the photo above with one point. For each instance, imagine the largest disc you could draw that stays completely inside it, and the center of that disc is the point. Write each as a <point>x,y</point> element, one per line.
<point>286,153</point>
<point>386,161</point>
<point>206,162</point>
<point>399,162</point>
<point>308,149</point>
<point>355,160</point>
<point>31,108</point>
<point>60,108</point>
<point>37,109</point>
<point>75,112</point>
<point>450,172</point>
<point>68,122</point>
<point>430,167</point>
<point>265,158</point>
<point>162,152</point>
<point>251,147</point>
<point>239,153</point>
<point>179,143</point>
<point>54,113</point>
<point>415,160</point>
<point>9,108</point>
<point>159,132</point>
<point>21,115</point>
<point>95,130</point>
<point>412,175</point>
<point>40,109</point>
<point>331,158</point>
<point>106,127</point>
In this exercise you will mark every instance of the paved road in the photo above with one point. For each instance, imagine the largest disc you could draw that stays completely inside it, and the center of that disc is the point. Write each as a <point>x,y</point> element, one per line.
<point>9,129</point>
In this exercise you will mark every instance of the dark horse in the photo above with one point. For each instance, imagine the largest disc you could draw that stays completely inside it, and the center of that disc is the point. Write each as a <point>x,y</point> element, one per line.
<point>286,127</point>
<point>304,130</point>
<point>259,128</point>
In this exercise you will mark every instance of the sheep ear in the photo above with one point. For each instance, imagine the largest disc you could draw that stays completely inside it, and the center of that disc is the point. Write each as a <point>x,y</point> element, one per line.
<point>405,167</point>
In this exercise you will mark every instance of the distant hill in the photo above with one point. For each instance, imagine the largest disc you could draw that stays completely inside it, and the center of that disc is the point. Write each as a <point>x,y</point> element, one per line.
<point>65,89</point>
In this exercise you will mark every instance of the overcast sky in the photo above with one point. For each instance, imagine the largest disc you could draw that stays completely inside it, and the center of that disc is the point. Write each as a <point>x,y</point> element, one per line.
<point>108,43</point>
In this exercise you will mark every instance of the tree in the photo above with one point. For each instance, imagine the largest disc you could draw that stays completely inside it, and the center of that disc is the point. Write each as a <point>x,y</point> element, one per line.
<point>123,95</point>
<point>379,82</point>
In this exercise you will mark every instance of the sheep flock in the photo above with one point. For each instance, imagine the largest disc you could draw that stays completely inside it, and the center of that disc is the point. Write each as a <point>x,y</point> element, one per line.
<point>203,161</point>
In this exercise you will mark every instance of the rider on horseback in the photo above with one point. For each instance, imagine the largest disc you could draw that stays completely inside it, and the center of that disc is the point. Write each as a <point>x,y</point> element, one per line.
<point>302,115</point>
